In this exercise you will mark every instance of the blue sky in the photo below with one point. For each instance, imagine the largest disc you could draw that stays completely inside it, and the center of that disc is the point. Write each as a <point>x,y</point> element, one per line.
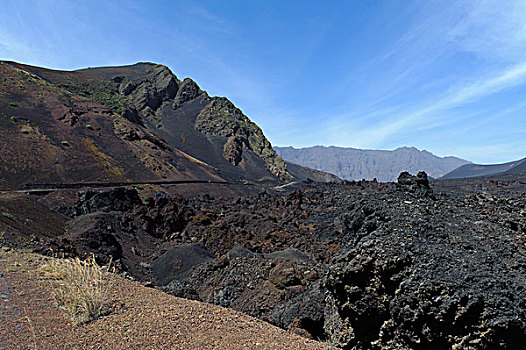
<point>445,76</point>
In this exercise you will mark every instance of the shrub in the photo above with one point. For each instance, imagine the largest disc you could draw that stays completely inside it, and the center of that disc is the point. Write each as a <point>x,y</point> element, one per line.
<point>12,104</point>
<point>81,287</point>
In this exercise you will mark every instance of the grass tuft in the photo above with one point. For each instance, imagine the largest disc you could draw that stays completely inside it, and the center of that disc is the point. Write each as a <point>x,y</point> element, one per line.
<point>82,288</point>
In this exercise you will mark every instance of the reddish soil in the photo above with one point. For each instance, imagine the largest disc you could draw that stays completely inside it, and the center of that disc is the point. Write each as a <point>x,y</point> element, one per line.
<point>141,318</point>
<point>48,135</point>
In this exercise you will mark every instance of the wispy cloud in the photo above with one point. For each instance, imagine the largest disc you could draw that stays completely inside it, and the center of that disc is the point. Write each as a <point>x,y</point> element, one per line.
<point>494,34</point>
<point>208,21</point>
<point>426,116</point>
<point>494,116</point>
<point>491,29</point>
<point>14,49</point>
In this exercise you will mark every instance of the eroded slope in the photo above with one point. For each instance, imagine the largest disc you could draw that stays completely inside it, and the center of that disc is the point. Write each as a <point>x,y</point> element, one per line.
<point>209,128</point>
<point>50,135</point>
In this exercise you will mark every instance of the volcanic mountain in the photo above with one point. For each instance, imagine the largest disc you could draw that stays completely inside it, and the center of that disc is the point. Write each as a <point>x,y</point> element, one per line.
<point>51,135</point>
<point>472,170</point>
<point>357,164</point>
<point>126,124</point>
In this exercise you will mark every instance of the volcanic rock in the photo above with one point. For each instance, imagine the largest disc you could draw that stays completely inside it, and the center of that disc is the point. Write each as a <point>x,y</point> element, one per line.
<point>178,262</point>
<point>93,233</point>
<point>411,265</point>
<point>120,199</point>
<point>419,184</point>
<point>188,91</point>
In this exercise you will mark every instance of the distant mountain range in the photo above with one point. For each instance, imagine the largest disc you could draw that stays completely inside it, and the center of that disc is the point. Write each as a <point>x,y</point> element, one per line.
<point>472,170</point>
<point>357,164</point>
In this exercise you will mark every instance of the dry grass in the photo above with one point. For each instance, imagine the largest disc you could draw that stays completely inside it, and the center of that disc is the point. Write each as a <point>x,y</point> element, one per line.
<point>141,318</point>
<point>82,288</point>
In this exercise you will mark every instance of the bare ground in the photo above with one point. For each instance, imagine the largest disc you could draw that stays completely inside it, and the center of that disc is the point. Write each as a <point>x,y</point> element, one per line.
<point>140,318</point>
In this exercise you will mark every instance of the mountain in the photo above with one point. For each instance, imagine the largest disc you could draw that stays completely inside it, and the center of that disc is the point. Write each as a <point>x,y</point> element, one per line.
<point>305,173</point>
<point>472,170</point>
<point>357,164</point>
<point>49,135</point>
<point>125,124</point>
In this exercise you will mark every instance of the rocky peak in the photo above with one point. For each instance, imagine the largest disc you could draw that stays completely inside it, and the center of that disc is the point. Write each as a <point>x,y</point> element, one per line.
<point>148,94</point>
<point>221,118</point>
<point>141,92</point>
<point>188,90</point>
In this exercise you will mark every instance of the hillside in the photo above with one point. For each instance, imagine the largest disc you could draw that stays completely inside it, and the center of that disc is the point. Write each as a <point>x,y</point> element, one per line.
<point>357,164</point>
<point>141,318</point>
<point>208,128</point>
<point>473,170</point>
<point>126,124</point>
<point>49,135</point>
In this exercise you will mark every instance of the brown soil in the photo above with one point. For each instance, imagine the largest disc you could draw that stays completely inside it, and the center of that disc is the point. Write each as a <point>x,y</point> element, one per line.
<point>62,137</point>
<point>141,318</point>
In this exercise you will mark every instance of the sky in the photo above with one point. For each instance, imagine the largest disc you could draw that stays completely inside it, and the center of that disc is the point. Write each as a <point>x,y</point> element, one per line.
<point>445,76</point>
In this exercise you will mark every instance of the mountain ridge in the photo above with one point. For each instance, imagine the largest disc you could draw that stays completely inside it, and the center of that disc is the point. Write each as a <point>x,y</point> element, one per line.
<point>475,170</point>
<point>357,164</point>
<point>66,138</point>
<point>136,111</point>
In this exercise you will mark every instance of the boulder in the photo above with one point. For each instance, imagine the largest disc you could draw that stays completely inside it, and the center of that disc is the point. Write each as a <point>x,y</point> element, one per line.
<point>418,185</point>
<point>118,199</point>
<point>93,234</point>
<point>178,263</point>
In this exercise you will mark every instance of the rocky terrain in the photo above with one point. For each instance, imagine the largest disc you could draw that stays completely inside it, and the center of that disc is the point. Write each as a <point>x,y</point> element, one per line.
<point>357,164</point>
<point>404,265</point>
<point>49,135</point>
<point>140,318</point>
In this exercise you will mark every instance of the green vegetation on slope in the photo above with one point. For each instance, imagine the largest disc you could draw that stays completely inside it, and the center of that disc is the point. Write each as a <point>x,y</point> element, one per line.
<point>221,118</point>
<point>103,92</point>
